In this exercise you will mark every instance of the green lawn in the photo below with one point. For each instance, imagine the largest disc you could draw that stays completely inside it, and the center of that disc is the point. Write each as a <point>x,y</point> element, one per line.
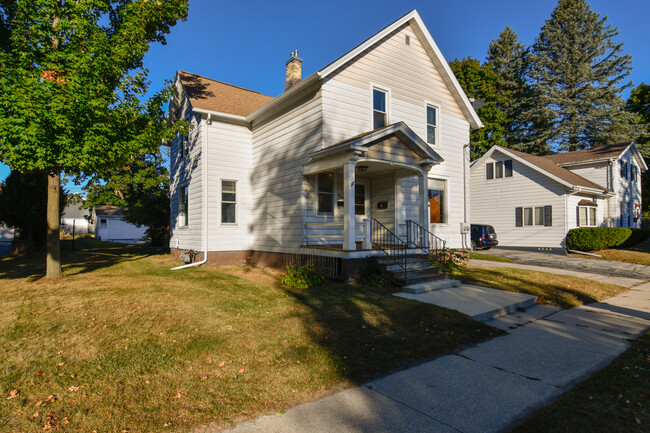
<point>560,290</point>
<point>122,343</point>
<point>490,257</point>
<point>614,400</point>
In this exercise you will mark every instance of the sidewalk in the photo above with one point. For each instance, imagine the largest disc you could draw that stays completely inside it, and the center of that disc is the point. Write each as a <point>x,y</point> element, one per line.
<point>485,388</point>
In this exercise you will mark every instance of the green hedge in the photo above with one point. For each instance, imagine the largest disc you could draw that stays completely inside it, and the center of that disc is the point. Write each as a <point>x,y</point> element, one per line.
<point>596,238</point>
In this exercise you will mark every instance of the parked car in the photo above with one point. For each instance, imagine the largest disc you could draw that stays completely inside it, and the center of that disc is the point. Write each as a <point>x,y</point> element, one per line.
<point>483,237</point>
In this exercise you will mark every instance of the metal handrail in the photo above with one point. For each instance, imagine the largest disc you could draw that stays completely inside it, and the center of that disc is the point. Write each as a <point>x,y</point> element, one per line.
<point>389,243</point>
<point>416,235</point>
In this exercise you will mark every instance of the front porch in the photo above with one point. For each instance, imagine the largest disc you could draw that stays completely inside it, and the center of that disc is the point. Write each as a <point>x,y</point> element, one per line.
<point>370,193</point>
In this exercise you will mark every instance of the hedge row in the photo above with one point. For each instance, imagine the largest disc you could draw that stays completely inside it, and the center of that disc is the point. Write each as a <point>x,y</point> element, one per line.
<point>598,238</point>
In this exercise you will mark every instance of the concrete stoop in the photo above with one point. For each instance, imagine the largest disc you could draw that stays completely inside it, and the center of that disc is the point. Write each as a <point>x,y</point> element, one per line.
<point>430,286</point>
<point>480,303</point>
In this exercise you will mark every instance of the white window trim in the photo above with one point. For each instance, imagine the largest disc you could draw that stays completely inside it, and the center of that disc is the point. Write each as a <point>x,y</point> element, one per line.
<point>236,223</point>
<point>426,125</point>
<point>595,222</point>
<point>532,207</point>
<point>389,107</point>
<point>494,170</point>
<point>445,199</point>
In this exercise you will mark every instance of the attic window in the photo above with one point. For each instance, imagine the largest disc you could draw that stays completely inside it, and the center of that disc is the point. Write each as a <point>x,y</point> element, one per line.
<point>407,40</point>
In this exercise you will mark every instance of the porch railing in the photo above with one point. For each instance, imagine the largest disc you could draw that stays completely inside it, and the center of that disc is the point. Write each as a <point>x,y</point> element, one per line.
<point>390,244</point>
<point>421,238</point>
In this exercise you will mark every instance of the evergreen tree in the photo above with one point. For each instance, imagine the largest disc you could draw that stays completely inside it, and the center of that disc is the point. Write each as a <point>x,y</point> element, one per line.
<point>639,104</point>
<point>577,74</point>
<point>480,82</point>
<point>507,57</point>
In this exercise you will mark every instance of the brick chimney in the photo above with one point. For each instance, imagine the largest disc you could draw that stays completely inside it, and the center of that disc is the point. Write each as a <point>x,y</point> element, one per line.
<point>294,70</point>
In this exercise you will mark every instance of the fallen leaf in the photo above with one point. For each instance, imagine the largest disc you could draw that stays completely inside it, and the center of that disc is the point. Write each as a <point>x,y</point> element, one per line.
<point>35,415</point>
<point>12,394</point>
<point>60,364</point>
<point>38,374</point>
<point>241,370</point>
<point>73,388</point>
<point>177,396</point>
<point>638,421</point>
<point>50,398</point>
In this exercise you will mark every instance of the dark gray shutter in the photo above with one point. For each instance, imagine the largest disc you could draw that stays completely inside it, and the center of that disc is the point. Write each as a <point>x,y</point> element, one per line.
<point>519,217</point>
<point>577,217</point>
<point>548,216</point>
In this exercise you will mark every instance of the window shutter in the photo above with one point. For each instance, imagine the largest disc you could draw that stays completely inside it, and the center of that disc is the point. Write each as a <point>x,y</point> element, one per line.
<point>519,217</point>
<point>548,216</point>
<point>577,216</point>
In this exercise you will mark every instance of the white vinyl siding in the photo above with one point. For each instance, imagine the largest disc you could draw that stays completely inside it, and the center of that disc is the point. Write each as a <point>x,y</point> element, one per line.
<point>495,202</point>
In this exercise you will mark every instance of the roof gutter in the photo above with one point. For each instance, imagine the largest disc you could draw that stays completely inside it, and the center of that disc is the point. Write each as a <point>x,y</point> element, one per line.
<point>221,117</point>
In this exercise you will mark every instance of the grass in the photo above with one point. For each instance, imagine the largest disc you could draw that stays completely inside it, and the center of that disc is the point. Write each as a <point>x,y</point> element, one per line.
<point>561,290</point>
<point>614,400</point>
<point>492,258</point>
<point>628,256</point>
<point>122,343</point>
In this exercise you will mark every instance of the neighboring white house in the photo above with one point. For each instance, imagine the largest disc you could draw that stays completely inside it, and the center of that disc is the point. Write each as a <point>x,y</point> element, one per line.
<point>109,225</point>
<point>379,135</point>
<point>533,201</point>
<point>76,219</point>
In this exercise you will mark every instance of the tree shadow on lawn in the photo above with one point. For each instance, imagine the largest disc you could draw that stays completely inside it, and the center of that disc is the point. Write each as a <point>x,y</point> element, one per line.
<point>369,332</point>
<point>88,255</point>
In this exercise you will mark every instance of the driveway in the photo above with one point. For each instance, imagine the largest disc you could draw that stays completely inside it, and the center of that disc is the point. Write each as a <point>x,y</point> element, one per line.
<point>579,264</point>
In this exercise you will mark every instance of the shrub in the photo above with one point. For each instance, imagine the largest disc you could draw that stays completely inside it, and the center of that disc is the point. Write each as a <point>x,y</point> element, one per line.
<point>371,274</point>
<point>596,238</point>
<point>302,278</point>
<point>449,261</point>
<point>637,236</point>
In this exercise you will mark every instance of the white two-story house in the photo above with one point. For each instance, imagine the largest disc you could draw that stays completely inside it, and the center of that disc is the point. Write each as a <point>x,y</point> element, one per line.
<point>371,147</point>
<point>533,201</point>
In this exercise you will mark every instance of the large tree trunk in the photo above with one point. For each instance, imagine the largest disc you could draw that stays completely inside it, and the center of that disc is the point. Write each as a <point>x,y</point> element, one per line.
<point>53,224</point>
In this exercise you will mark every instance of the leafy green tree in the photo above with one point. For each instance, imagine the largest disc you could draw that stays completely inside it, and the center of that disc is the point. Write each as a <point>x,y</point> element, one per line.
<point>507,57</point>
<point>23,206</point>
<point>143,187</point>
<point>480,82</point>
<point>72,82</point>
<point>577,73</point>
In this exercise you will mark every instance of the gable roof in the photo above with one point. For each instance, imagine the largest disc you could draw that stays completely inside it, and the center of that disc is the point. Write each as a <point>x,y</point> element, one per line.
<point>109,210</point>
<point>591,155</point>
<point>548,168</point>
<point>413,18</point>
<point>208,94</point>
<point>219,97</point>
<point>367,139</point>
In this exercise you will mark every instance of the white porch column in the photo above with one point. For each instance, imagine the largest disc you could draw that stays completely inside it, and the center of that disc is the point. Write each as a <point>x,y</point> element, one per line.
<point>424,206</point>
<point>348,206</point>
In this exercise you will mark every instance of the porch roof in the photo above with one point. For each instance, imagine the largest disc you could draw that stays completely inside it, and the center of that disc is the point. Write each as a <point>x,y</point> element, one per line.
<point>367,139</point>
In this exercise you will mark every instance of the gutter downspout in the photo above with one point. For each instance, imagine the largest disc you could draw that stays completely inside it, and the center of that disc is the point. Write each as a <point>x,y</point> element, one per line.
<point>465,162</point>
<point>205,200</point>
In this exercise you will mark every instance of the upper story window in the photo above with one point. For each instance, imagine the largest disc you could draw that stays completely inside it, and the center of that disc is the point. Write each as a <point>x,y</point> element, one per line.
<point>228,201</point>
<point>379,108</point>
<point>432,124</point>
<point>623,169</point>
<point>183,145</point>
<point>325,192</point>
<point>498,169</point>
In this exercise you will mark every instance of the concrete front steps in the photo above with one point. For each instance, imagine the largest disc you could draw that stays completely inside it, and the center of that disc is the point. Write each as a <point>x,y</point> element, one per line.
<point>418,270</point>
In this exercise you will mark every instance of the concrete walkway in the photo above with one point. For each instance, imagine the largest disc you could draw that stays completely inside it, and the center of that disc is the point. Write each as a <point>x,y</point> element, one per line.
<point>485,388</point>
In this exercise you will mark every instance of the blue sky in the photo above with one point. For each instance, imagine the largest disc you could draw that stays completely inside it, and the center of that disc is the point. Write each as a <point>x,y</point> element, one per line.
<point>246,43</point>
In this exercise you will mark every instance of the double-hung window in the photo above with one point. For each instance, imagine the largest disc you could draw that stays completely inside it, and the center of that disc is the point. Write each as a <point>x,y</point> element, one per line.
<point>586,216</point>
<point>379,108</point>
<point>183,206</point>
<point>432,124</point>
<point>534,216</point>
<point>228,202</point>
<point>498,169</point>
<point>325,192</point>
